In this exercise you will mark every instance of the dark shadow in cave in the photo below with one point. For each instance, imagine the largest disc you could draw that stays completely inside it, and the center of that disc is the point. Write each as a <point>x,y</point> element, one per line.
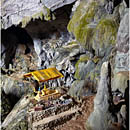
<point>20,35</point>
<point>8,102</point>
<point>117,2</point>
<point>42,29</point>
<point>13,99</point>
<point>127,104</point>
<point>10,38</point>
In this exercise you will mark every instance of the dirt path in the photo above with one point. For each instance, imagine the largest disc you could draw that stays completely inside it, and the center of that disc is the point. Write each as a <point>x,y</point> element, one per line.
<point>80,122</point>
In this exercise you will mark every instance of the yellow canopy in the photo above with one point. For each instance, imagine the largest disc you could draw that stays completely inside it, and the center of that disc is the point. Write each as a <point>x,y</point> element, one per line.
<point>45,75</point>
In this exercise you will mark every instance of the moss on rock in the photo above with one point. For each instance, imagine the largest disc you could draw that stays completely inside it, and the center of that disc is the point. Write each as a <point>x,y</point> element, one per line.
<point>93,76</point>
<point>82,59</point>
<point>78,25</point>
<point>105,33</point>
<point>96,59</point>
<point>47,14</point>
<point>90,75</point>
<point>72,43</point>
<point>38,15</point>
<point>92,28</point>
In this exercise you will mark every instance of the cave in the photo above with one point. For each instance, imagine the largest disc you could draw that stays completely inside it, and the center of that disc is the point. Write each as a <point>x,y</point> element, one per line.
<point>79,49</point>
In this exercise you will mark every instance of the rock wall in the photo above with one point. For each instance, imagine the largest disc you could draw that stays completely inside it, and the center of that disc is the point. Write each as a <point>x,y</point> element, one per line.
<point>115,115</point>
<point>95,30</point>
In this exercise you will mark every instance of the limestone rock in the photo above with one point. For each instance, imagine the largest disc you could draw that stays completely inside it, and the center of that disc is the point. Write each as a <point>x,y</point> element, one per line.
<point>15,86</point>
<point>53,5</point>
<point>122,56</point>
<point>38,50</point>
<point>110,6</point>
<point>120,82</point>
<point>104,36</point>
<point>57,53</point>
<point>92,27</point>
<point>80,89</point>
<point>16,12</point>
<point>123,111</point>
<point>83,66</point>
<point>75,5</point>
<point>100,117</point>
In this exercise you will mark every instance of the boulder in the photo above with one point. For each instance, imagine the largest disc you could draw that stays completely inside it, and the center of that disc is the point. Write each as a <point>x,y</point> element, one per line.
<point>15,86</point>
